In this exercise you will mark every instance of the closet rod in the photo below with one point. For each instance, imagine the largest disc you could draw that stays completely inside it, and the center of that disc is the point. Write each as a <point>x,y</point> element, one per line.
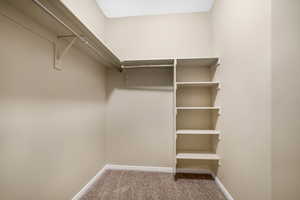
<point>146,66</point>
<point>38,3</point>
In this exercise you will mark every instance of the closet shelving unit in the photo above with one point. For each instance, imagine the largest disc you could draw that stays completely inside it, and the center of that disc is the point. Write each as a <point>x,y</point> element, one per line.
<point>195,113</point>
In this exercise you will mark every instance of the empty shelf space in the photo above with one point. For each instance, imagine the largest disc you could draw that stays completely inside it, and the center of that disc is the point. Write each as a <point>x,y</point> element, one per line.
<point>193,155</point>
<point>198,108</point>
<point>199,84</point>
<point>197,132</point>
<point>199,62</point>
<point>196,70</point>
<point>196,96</point>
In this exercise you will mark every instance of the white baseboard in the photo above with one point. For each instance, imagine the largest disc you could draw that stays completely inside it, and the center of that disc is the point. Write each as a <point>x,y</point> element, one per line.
<point>223,189</point>
<point>140,168</point>
<point>158,169</point>
<point>149,169</point>
<point>89,184</point>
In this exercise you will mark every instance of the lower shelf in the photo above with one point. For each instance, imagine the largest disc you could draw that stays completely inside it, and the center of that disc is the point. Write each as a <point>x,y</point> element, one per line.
<point>198,108</point>
<point>197,156</point>
<point>197,132</point>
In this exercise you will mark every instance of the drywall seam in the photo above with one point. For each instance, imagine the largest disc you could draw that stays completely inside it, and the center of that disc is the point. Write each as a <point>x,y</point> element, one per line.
<point>140,168</point>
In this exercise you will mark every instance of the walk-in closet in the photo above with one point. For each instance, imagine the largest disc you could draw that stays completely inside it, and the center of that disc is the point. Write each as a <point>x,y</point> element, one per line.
<point>149,100</point>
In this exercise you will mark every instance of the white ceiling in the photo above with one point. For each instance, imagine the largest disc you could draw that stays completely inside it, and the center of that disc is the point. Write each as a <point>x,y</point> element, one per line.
<point>125,8</point>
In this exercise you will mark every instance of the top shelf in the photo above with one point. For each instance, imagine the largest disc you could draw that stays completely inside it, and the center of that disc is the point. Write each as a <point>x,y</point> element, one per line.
<point>198,62</point>
<point>191,62</point>
<point>147,63</point>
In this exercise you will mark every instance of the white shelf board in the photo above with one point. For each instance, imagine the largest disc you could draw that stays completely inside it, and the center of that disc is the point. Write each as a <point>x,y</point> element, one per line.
<point>148,63</point>
<point>198,62</point>
<point>199,84</point>
<point>197,156</point>
<point>198,108</point>
<point>197,132</point>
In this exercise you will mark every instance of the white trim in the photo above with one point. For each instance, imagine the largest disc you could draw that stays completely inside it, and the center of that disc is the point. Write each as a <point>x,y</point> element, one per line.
<point>140,168</point>
<point>89,184</point>
<point>223,189</point>
<point>158,169</point>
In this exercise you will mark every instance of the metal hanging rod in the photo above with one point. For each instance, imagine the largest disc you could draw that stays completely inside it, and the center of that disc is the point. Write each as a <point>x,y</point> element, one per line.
<point>74,33</point>
<point>147,66</point>
<point>66,36</point>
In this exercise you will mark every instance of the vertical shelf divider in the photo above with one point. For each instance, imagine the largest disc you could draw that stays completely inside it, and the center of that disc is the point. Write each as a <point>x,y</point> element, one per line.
<point>174,116</point>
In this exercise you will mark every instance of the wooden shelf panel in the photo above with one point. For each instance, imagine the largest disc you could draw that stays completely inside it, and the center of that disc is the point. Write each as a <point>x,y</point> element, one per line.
<point>198,84</point>
<point>193,155</point>
<point>198,108</point>
<point>149,63</point>
<point>197,132</point>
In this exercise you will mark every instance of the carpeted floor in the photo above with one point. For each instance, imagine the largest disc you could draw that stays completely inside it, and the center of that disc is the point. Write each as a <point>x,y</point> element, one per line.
<point>136,185</point>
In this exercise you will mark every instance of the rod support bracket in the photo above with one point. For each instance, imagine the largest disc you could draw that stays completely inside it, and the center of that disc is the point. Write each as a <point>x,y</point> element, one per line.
<point>219,138</point>
<point>220,163</point>
<point>59,54</point>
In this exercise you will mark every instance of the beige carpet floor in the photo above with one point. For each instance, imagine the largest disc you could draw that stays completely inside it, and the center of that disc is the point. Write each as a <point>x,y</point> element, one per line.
<point>136,185</point>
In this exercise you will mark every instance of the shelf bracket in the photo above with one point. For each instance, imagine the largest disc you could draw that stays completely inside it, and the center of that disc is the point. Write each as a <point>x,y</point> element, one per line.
<point>126,77</point>
<point>58,55</point>
<point>220,163</point>
<point>219,138</point>
<point>219,62</point>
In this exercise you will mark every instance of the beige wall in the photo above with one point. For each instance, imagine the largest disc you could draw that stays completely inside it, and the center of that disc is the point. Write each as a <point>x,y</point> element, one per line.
<point>139,118</point>
<point>285,99</point>
<point>89,14</point>
<point>139,112</point>
<point>242,41</point>
<point>51,122</point>
<point>162,36</point>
